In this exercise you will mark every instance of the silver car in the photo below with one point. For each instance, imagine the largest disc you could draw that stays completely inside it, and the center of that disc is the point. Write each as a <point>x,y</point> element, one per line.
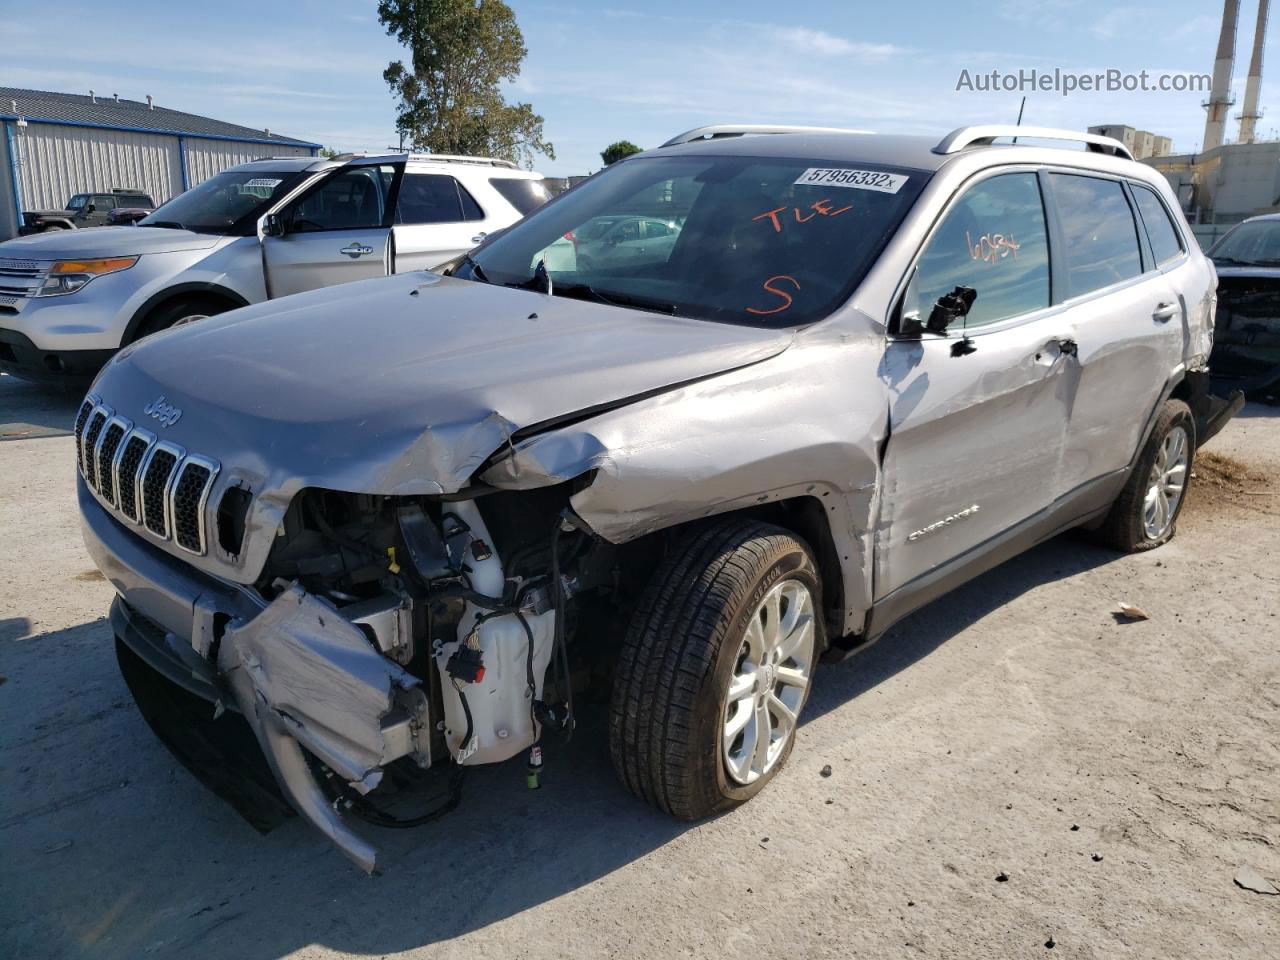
<point>404,523</point>
<point>254,232</point>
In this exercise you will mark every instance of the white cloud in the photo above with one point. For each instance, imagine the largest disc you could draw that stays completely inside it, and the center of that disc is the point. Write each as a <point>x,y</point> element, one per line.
<point>804,40</point>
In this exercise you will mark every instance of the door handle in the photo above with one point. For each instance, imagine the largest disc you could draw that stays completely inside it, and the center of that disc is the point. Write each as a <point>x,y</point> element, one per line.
<point>1164,312</point>
<point>479,237</point>
<point>356,250</point>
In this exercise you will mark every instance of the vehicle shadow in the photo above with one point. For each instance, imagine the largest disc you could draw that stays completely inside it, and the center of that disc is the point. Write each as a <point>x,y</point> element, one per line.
<point>147,861</point>
<point>30,410</point>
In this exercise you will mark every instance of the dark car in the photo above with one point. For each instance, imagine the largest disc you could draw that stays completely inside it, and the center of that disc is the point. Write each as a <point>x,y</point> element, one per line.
<point>127,216</point>
<point>1246,350</point>
<point>86,210</point>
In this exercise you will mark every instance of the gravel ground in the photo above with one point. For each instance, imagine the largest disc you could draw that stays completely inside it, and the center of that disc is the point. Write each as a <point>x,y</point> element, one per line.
<point>1117,775</point>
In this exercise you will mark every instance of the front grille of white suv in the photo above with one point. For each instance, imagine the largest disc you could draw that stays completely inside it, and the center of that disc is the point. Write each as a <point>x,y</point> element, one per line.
<point>150,483</point>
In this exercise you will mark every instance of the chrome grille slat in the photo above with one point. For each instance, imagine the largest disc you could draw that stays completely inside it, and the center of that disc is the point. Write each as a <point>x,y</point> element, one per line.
<point>105,455</point>
<point>128,468</point>
<point>157,475</point>
<point>148,482</point>
<point>97,420</point>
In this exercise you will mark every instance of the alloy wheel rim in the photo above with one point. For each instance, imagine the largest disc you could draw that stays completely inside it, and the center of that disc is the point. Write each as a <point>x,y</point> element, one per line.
<point>1166,484</point>
<point>769,682</point>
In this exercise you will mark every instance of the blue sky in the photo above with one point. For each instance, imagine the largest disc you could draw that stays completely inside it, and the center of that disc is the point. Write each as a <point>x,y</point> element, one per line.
<point>641,71</point>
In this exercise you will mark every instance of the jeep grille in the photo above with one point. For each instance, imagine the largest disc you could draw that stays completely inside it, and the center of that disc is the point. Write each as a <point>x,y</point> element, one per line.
<point>151,483</point>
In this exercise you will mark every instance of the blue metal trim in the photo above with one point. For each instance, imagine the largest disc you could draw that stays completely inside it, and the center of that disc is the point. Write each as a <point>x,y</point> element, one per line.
<point>13,172</point>
<point>182,163</point>
<point>165,132</point>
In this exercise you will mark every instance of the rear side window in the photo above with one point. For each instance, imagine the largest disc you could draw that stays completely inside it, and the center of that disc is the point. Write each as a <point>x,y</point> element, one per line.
<point>1160,230</point>
<point>524,195</point>
<point>993,239</point>
<point>435,198</point>
<point>1099,234</point>
<point>133,200</point>
<point>103,202</point>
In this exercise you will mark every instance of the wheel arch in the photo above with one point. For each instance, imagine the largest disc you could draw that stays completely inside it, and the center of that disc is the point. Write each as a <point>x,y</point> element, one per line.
<point>166,296</point>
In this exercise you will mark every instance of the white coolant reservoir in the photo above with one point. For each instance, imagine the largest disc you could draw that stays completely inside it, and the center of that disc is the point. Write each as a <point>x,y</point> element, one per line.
<point>500,701</point>
<point>502,724</point>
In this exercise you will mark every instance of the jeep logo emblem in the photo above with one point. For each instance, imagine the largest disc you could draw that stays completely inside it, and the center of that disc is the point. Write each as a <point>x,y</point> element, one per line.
<point>166,413</point>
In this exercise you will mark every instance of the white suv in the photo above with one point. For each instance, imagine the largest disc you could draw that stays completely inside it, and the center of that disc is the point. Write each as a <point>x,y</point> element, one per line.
<point>257,231</point>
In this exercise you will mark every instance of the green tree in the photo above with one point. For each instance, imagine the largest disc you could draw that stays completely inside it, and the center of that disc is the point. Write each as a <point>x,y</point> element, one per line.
<point>449,101</point>
<point>617,151</point>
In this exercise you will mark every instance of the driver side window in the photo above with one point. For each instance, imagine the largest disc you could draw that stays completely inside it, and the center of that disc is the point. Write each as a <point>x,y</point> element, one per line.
<point>993,240</point>
<point>351,200</point>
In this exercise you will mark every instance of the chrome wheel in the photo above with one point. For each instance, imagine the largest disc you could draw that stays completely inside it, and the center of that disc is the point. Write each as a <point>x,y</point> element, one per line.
<point>1166,484</point>
<point>769,682</point>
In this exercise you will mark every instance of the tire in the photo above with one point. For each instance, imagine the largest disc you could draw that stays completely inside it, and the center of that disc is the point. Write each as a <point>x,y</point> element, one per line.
<point>1127,527</point>
<point>181,310</point>
<point>694,632</point>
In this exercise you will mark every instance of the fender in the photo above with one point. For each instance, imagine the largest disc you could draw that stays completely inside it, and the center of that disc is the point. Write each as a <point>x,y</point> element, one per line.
<point>169,293</point>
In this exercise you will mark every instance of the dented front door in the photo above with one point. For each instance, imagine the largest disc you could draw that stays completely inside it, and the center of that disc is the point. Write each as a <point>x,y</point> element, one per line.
<point>977,415</point>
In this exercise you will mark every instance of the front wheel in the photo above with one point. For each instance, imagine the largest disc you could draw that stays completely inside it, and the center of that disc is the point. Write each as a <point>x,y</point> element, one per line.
<point>716,668</point>
<point>1145,514</point>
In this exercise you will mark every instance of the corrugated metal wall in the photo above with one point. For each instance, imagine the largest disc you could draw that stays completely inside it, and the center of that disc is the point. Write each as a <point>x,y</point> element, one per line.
<point>207,157</point>
<point>57,161</point>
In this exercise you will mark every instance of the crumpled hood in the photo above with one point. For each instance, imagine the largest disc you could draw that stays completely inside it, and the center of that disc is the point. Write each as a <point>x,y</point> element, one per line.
<point>404,385</point>
<point>105,242</point>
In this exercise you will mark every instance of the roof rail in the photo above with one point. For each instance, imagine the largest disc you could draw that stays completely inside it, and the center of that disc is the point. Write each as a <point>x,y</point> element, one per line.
<point>721,130</point>
<point>962,137</point>
<point>453,158</point>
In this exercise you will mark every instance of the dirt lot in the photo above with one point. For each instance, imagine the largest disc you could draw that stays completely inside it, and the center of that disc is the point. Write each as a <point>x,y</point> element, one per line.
<point>1118,775</point>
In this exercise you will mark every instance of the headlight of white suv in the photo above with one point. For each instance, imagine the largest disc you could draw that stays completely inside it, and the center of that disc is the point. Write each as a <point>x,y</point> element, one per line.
<point>68,276</point>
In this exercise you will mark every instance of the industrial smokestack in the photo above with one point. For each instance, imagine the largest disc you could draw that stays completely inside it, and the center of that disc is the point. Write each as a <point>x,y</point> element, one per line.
<point>1220,94</point>
<point>1249,116</point>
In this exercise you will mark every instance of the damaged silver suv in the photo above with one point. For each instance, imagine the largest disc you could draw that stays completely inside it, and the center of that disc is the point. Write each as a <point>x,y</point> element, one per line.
<point>827,377</point>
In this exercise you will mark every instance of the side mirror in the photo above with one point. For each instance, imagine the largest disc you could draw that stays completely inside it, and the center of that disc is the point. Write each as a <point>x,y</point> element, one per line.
<point>950,308</point>
<point>90,208</point>
<point>273,225</point>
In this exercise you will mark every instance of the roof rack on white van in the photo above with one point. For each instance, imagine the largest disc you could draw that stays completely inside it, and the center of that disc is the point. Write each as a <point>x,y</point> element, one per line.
<point>720,130</point>
<point>424,157</point>
<point>985,134</point>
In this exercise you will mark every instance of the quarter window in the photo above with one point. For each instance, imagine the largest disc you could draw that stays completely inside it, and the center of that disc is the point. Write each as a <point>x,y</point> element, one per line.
<point>435,198</point>
<point>1099,234</point>
<point>1160,230</point>
<point>993,240</point>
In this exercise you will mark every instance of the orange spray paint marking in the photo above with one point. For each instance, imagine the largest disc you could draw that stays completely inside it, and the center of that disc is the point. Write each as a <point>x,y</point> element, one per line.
<point>770,288</point>
<point>772,215</point>
<point>822,208</point>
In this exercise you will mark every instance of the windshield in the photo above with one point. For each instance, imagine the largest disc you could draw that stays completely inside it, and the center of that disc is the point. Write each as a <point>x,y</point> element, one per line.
<point>1255,244</point>
<point>229,203</point>
<point>78,201</point>
<point>751,240</point>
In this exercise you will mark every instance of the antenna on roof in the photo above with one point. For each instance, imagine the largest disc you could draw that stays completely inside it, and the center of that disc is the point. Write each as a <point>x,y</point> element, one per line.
<point>1020,109</point>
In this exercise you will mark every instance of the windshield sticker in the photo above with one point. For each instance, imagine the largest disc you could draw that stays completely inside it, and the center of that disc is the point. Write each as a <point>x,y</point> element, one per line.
<point>820,208</point>
<point>991,247</point>
<point>263,182</point>
<point>858,179</point>
<point>770,286</point>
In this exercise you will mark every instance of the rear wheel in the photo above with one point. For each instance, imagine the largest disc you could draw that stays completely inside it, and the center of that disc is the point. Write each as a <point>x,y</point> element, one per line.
<point>1145,514</point>
<point>716,668</point>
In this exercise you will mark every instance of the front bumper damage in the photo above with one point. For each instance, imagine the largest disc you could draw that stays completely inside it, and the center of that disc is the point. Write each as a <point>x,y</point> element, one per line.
<point>298,672</point>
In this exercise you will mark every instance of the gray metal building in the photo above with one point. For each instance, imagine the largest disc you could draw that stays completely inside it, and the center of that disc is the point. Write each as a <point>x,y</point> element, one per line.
<point>58,144</point>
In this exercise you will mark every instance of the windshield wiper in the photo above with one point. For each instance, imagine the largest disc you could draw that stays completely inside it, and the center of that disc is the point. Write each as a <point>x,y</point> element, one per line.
<point>170,224</point>
<point>586,291</point>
